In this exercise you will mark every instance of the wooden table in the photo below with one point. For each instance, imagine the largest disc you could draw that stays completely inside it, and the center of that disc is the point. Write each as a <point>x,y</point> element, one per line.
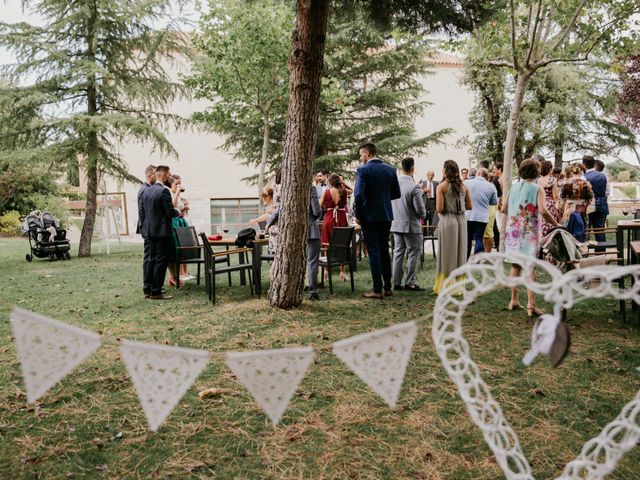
<point>255,258</point>
<point>632,229</point>
<point>635,258</point>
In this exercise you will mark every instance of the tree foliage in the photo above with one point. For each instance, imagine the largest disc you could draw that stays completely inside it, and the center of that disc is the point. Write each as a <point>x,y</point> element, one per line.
<point>240,66</point>
<point>94,72</point>
<point>371,87</point>
<point>629,93</point>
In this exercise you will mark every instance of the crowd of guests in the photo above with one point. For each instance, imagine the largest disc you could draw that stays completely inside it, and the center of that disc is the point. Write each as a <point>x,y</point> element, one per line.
<point>464,205</point>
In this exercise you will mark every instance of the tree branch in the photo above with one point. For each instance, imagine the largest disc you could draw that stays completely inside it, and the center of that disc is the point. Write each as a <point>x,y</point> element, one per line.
<point>534,33</point>
<point>513,35</point>
<point>501,63</point>
<point>563,34</point>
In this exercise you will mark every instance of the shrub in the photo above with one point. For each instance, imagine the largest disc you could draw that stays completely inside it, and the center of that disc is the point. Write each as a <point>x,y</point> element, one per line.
<point>10,223</point>
<point>629,191</point>
<point>54,205</point>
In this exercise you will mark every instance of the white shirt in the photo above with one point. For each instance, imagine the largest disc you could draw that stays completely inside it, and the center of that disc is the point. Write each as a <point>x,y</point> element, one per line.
<point>428,185</point>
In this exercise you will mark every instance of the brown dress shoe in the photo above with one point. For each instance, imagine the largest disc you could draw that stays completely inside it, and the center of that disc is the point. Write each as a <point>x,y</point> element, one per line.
<point>378,296</point>
<point>146,296</point>
<point>162,296</point>
<point>388,293</point>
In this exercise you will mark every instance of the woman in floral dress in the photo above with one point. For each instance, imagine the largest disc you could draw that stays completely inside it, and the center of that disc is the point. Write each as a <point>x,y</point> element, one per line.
<point>524,206</point>
<point>551,194</point>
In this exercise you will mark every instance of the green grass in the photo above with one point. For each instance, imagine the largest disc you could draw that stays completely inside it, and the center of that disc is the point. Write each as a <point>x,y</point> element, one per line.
<point>91,424</point>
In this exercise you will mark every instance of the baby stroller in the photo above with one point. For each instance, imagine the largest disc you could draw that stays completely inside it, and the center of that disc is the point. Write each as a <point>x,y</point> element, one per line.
<point>46,238</point>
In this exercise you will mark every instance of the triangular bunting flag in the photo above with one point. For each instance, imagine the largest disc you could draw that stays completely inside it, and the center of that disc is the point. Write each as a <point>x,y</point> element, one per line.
<point>161,375</point>
<point>271,376</point>
<point>48,349</point>
<point>380,358</point>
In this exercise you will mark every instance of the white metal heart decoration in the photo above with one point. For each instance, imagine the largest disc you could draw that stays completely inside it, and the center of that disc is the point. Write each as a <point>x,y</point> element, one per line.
<point>482,274</point>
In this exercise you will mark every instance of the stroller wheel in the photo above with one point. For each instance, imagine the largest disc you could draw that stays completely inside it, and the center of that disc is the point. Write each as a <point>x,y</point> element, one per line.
<point>29,257</point>
<point>67,255</point>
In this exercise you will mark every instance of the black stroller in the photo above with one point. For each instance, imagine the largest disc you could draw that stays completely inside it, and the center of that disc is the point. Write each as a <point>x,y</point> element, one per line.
<point>46,238</point>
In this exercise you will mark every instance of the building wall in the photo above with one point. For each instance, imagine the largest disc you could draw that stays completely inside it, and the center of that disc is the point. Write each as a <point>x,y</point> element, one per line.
<point>209,171</point>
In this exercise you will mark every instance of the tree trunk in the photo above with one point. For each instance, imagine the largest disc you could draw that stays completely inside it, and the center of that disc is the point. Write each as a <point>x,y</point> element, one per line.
<point>510,143</point>
<point>558,146</point>
<point>263,159</point>
<point>91,160</point>
<point>305,67</point>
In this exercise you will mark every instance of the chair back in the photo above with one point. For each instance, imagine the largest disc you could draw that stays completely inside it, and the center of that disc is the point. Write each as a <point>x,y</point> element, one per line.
<point>208,251</point>
<point>187,237</point>
<point>340,244</point>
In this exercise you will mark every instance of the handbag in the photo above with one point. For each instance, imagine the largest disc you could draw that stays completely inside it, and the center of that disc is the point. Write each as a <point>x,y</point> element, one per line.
<point>246,237</point>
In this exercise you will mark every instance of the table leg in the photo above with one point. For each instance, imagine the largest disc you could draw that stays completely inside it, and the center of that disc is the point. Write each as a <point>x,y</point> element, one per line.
<point>243,278</point>
<point>257,268</point>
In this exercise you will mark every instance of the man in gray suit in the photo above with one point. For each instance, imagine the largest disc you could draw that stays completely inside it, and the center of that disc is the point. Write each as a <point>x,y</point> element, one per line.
<point>313,244</point>
<point>406,228</point>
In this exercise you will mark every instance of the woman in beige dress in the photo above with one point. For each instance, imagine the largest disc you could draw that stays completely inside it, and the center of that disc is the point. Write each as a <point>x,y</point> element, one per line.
<point>452,199</point>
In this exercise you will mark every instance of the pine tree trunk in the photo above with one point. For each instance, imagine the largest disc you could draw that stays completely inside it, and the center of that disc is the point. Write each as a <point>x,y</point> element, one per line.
<point>91,160</point>
<point>84,249</point>
<point>263,159</point>
<point>510,143</point>
<point>305,67</point>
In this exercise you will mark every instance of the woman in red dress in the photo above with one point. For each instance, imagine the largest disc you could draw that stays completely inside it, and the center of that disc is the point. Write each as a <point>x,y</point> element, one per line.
<point>334,204</point>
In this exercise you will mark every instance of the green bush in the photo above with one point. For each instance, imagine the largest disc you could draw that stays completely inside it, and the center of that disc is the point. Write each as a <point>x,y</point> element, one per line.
<point>629,191</point>
<point>55,205</point>
<point>10,223</point>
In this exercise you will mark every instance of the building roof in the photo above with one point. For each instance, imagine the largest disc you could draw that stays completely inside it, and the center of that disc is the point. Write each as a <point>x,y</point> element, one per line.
<point>445,59</point>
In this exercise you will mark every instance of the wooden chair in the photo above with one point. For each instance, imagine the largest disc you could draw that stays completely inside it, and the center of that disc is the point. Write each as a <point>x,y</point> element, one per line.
<point>338,253</point>
<point>212,259</point>
<point>189,251</point>
<point>606,244</point>
<point>430,233</point>
<point>614,253</point>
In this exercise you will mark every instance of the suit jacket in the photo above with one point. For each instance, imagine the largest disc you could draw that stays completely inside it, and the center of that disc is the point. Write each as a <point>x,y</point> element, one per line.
<point>598,181</point>
<point>409,208</point>
<point>376,185</point>
<point>143,187</point>
<point>423,184</point>
<point>156,211</point>
<point>315,214</point>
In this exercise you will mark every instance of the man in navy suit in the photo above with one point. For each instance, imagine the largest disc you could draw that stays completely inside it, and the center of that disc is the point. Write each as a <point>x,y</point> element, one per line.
<point>598,181</point>
<point>376,185</point>
<point>150,179</point>
<point>155,213</point>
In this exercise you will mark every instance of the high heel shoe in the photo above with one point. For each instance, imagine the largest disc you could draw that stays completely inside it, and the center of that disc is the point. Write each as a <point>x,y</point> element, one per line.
<point>514,306</point>
<point>172,282</point>
<point>343,276</point>
<point>533,311</point>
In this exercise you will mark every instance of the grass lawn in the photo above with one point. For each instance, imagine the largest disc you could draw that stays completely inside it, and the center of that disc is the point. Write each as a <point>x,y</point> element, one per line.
<point>92,426</point>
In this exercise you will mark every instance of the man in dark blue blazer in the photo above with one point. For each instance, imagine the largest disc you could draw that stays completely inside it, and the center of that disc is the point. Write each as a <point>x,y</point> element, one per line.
<point>150,179</point>
<point>598,181</point>
<point>376,185</point>
<point>156,211</point>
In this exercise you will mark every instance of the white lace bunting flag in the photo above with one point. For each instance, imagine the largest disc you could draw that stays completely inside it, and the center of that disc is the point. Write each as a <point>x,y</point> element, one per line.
<point>380,358</point>
<point>271,376</point>
<point>161,375</point>
<point>48,349</point>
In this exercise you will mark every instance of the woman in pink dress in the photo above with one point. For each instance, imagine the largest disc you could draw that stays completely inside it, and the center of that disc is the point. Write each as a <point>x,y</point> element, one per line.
<point>334,204</point>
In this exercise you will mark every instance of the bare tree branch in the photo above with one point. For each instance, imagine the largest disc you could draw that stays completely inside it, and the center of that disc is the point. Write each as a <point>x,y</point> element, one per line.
<point>563,34</point>
<point>513,35</point>
<point>534,33</point>
<point>501,63</point>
